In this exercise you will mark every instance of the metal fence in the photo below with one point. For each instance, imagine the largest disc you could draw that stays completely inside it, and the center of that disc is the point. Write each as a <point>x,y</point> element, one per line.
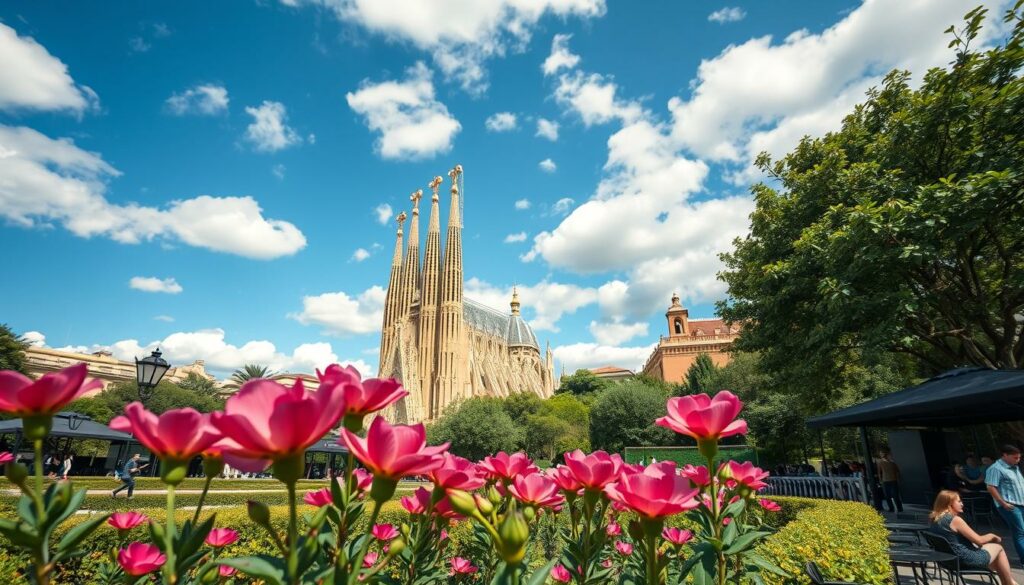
<point>827,488</point>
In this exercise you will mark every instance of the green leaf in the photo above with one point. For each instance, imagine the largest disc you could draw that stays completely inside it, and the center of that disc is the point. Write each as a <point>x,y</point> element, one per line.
<point>269,569</point>
<point>540,575</point>
<point>745,541</point>
<point>79,533</point>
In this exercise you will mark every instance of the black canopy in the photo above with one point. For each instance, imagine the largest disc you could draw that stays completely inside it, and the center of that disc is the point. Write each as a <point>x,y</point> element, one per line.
<point>72,424</point>
<point>961,397</point>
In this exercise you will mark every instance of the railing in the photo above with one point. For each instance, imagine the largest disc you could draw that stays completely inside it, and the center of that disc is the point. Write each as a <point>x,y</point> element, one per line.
<point>827,488</point>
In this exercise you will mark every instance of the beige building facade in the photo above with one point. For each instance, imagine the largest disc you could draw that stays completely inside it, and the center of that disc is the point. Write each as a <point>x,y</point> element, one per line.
<point>688,338</point>
<point>444,347</point>
<point>103,366</point>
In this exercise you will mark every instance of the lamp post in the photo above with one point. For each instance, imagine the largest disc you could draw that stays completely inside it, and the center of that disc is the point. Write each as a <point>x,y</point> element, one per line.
<point>149,371</point>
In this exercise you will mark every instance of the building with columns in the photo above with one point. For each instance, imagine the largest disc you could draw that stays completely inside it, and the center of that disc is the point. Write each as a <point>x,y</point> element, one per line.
<point>103,366</point>
<point>688,338</point>
<point>443,347</point>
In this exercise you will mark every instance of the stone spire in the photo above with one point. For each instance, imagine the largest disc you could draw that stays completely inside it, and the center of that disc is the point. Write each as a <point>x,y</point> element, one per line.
<point>450,317</point>
<point>391,301</point>
<point>411,265</point>
<point>515,300</point>
<point>428,302</point>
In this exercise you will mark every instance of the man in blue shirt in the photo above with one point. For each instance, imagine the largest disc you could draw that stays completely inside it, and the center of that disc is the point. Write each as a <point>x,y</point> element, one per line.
<point>131,467</point>
<point>1006,484</point>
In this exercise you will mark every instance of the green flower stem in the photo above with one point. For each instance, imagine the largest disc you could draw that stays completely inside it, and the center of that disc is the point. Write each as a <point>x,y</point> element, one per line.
<point>170,574</point>
<point>42,567</point>
<point>202,498</point>
<point>293,534</point>
<point>716,521</point>
<point>357,566</point>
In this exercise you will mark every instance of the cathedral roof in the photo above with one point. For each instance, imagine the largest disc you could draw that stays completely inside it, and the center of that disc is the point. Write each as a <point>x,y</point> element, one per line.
<point>513,328</point>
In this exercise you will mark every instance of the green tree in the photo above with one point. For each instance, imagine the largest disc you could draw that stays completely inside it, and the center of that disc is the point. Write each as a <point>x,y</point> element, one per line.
<point>623,416</point>
<point>521,405</point>
<point>12,350</point>
<point>164,397</point>
<point>476,428</point>
<point>699,373</point>
<point>250,372</point>
<point>901,231</point>
<point>200,385</point>
<point>582,382</point>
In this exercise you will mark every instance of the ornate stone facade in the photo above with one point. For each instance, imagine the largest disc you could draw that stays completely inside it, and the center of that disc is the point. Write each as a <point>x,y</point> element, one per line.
<point>103,366</point>
<point>444,347</point>
<point>688,338</point>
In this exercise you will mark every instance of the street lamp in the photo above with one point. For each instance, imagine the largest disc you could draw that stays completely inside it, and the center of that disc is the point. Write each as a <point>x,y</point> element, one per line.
<point>149,371</point>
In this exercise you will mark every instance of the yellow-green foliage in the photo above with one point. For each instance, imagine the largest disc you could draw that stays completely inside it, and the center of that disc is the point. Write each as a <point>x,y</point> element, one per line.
<point>846,539</point>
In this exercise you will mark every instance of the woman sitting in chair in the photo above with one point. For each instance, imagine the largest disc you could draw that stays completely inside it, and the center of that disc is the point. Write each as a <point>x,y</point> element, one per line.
<point>975,551</point>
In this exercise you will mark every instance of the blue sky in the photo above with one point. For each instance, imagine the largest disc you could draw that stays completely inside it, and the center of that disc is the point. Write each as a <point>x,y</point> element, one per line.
<point>218,177</point>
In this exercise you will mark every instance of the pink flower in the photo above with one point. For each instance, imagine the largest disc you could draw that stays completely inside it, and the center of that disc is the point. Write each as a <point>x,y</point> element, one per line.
<point>370,559</point>
<point>393,452</point>
<point>607,563</point>
<point>384,532</point>
<point>769,505</point>
<point>536,489</point>
<point>698,475</point>
<point>676,536</point>
<point>726,521</point>
<point>443,536</point>
<point>269,421</point>
<point>362,398</point>
<point>461,566</point>
<point>702,417</point>
<point>746,474</point>
<point>566,481</point>
<point>221,537</point>
<point>319,498</point>
<point>613,529</point>
<point>6,458</point>
<point>139,558</point>
<point>226,571</point>
<point>561,574</point>
<point>457,473</point>
<point>594,471</point>
<point>126,520</point>
<point>620,507</point>
<point>418,503</point>
<point>656,492</point>
<point>178,434</point>
<point>625,549</point>
<point>362,478</point>
<point>503,466</point>
<point>22,396</point>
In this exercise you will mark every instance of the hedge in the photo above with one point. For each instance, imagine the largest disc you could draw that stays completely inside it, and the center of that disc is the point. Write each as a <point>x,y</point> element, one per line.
<point>688,455</point>
<point>846,539</point>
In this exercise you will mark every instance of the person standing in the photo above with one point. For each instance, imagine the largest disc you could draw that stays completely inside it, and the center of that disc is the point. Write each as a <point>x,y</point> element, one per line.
<point>131,467</point>
<point>1006,485</point>
<point>65,466</point>
<point>889,473</point>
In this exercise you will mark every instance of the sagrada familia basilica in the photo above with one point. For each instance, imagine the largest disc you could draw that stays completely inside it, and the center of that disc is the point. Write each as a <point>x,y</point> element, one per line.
<point>442,346</point>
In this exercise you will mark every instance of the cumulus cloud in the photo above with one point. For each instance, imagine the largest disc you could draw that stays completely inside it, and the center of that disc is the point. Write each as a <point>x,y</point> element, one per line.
<point>164,318</point>
<point>269,130</point>
<point>33,79</point>
<point>616,333</point>
<point>35,338</point>
<point>49,181</point>
<point>460,36</point>
<point>594,98</point>
<point>592,355</point>
<point>153,284</point>
<point>501,122</point>
<point>547,129</point>
<point>203,100</point>
<point>561,57</point>
<point>360,254</point>
<point>562,206</point>
<point>522,204</point>
<point>383,213</point>
<point>547,165</point>
<point>513,238</point>
<point>337,313</point>
<point>411,122</point>
<point>545,301</point>
<point>727,14</point>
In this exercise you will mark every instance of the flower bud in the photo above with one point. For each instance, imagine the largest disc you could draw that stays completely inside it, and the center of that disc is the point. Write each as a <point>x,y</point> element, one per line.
<point>483,504</point>
<point>259,513</point>
<point>396,546</point>
<point>462,502</point>
<point>493,495</point>
<point>212,466</point>
<point>529,512</point>
<point>514,532</point>
<point>16,473</point>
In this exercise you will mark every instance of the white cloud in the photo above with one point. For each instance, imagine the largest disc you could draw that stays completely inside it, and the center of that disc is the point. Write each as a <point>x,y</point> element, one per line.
<point>546,301</point>
<point>360,254</point>
<point>153,284</point>
<point>562,206</point>
<point>547,129</point>
<point>561,57</point>
<point>269,130</point>
<point>383,213</point>
<point>727,14</point>
<point>513,238</point>
<point>205,100</point>
<point>48,181</point>
<point>616,333</point>
<point>594,98</point>
<point>33,79</point>
<point>278,170</point>
<point>547,165</point>
<point>501,122</point>
<point>806,73</point>
<point>139,45</point>
<point>339,314</point>
<point>35,338</point>
<point>593,355</point>
<point>164,318</point>
<point>411,122</point>
<point>461,36</point>
<point>522,204</point>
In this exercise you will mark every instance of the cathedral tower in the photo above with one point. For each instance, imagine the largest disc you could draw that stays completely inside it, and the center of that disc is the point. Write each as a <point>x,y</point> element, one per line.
<point>428,302</point>
<point>448,385</point>
<point>411,265</point>
<point>392,309</point>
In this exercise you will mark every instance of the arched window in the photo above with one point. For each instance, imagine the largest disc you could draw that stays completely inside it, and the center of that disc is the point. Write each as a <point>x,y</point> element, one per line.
<point>679,326</point>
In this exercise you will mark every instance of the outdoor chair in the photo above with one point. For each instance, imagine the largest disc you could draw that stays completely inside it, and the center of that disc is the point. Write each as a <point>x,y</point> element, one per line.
<point>815,574</point>
<point>956,573</point>
<point>980,506</point>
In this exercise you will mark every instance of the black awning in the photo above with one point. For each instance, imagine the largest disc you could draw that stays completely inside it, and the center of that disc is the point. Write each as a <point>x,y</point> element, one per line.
<point>72,424</point>
<point>961,397</point>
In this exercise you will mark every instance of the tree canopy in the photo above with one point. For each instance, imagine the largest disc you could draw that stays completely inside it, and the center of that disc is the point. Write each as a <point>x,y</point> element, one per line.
<point>899,232</point>
<point>699,374</point>
<point>12,350</point>
<point>623,416</point>
<point>476,428</point>
<point>582,382</point>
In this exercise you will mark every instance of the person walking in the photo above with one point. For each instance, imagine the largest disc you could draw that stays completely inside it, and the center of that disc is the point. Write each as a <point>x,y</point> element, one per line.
<point>1006,485</point>
<point>131,467</point>
<point>889,473</point>
<point>65,466</point>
